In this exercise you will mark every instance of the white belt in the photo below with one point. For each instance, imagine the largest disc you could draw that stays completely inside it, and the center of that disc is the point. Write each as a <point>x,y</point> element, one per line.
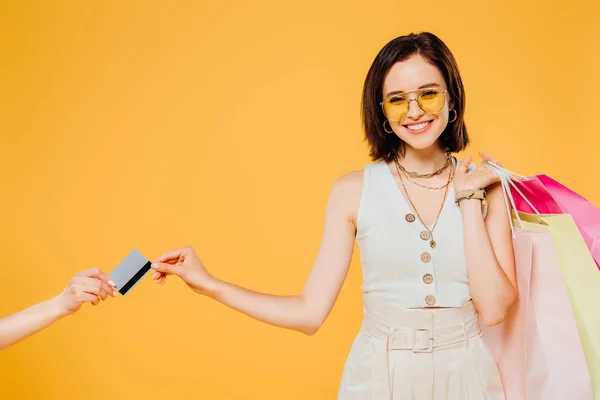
<point>418,340</point>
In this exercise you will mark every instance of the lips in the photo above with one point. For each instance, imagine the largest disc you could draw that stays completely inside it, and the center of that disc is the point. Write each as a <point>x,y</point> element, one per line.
<point>419,127</point>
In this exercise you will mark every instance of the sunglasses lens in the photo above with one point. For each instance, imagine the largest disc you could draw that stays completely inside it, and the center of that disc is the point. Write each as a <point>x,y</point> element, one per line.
<point>395,108</point>
<point>431,101</point>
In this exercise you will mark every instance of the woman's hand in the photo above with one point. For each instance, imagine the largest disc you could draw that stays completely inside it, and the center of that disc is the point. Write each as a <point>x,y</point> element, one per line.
<point>185,264</point>
<point>481,178</point>
<point>91,285</point>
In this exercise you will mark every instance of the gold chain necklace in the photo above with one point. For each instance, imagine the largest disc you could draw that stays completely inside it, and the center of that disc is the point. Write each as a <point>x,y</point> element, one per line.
<point>429,187</point>
<point>432,242</point>
<point>415,175</point>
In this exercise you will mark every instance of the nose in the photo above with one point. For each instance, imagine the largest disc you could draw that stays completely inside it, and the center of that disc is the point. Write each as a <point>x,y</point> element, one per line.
<point>414,110</point>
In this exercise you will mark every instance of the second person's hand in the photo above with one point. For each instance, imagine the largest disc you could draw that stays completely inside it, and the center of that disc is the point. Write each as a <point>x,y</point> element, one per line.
<point>185,264</point>
<point>91,286</point>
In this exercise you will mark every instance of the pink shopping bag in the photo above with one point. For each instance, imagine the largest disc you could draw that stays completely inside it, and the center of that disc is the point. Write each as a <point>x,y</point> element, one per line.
<point>537,348</point>
<point>551,197</point>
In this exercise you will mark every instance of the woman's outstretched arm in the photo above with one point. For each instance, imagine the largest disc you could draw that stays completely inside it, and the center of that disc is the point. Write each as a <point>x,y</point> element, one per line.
<point>306,311</point>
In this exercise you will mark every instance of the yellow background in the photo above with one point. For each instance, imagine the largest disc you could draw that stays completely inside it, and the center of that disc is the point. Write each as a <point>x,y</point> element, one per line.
<point>223,125</point>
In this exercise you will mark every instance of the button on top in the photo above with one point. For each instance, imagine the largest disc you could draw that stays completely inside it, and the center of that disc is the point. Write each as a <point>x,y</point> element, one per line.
<point>410,218</point>
<point>425,257</point>
<point>428,278</point>
<point>425,235</point>
<point>430,300</point>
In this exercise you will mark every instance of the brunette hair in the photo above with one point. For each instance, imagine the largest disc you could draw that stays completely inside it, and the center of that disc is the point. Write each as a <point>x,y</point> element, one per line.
<point>385,145</point>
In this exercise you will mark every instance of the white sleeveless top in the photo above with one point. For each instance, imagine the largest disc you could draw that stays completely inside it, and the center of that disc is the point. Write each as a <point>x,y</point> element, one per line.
<point>399,264</point>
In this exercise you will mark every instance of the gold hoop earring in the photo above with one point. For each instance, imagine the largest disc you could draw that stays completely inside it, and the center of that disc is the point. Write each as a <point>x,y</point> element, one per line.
<point>455,116</point>
<point>388,122</point>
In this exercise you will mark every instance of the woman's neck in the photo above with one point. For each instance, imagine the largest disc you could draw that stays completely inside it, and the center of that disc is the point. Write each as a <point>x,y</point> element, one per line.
<point>423,161</point>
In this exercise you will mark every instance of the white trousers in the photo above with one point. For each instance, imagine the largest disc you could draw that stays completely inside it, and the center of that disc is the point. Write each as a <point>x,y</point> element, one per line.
<point>421,354</point>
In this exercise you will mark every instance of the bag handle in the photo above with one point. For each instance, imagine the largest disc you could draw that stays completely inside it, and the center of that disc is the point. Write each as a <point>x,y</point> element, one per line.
<point>507,181</point>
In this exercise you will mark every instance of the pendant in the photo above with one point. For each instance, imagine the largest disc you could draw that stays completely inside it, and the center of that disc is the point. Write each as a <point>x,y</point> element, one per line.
<point>432,244</point>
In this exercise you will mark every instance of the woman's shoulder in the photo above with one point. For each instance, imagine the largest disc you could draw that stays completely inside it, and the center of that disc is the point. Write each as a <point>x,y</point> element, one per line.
<point>346,192</point>
<point>350,181</point>
<point>355,179</point>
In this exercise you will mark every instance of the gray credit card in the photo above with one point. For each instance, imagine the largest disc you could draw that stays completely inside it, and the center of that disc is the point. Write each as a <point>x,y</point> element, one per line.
<point>130,271</point>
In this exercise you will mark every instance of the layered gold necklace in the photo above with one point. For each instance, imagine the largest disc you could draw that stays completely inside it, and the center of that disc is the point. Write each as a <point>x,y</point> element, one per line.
<point>402,171</point>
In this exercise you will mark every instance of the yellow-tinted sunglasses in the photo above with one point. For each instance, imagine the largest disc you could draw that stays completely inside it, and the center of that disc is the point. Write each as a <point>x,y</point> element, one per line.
<point>430,100</point>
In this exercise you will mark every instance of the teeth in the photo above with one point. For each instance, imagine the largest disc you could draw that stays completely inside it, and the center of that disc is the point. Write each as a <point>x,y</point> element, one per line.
<point>418,126</point>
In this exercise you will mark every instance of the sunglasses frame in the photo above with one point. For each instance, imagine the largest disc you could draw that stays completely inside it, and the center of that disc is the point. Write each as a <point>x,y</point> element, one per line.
<point>443,91</point>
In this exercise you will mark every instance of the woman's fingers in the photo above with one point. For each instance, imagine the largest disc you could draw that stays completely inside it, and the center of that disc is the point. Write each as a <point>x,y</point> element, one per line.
<point>170,263</point>
<point>159,277</point>
<point>167,268</point>
<point>87,297</point>
<point>489,158</point>
<point>464,164</point>
<point>97,273</point>
<point>106,288</point>
<point>95,287</point>
<point>173,255</point>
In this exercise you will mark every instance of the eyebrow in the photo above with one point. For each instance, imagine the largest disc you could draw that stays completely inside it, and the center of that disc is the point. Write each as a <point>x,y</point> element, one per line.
<point>427,85</point>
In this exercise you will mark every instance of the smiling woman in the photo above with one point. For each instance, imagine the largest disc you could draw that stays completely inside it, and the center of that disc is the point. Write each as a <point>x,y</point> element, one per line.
<point>424,287</point>
<point>433,258</point>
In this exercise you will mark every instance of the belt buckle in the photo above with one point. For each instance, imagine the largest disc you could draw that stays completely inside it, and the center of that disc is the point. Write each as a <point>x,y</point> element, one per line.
<point>427,349</point>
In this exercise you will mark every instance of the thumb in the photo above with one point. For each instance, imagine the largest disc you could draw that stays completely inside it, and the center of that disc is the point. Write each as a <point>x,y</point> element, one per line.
<point>166,268</point>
